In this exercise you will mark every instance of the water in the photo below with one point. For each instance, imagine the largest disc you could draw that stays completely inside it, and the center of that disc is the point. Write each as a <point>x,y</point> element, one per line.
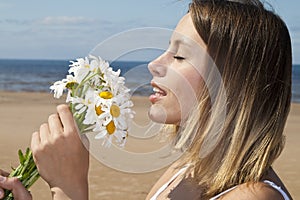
<point>38,75</point>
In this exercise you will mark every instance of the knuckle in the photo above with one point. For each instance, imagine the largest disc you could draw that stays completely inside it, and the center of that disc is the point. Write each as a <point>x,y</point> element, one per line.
<point>52,117</point>
<point>62,108</point>
<point>44,126</point>
<point>35,134</point>
<point>40,149</point>
<point>14,180</point>
<point>58,138</point>
<point>36,150</point>
<point>71,131</point>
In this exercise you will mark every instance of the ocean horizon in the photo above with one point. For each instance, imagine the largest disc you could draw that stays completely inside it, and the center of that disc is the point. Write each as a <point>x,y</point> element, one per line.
<point>29,75</point>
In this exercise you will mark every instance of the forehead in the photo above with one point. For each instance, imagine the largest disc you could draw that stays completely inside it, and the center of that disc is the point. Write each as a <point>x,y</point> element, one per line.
<point>185,30</point>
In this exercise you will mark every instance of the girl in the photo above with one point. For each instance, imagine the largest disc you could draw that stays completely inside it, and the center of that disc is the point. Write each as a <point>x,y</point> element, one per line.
<point>233,129</point>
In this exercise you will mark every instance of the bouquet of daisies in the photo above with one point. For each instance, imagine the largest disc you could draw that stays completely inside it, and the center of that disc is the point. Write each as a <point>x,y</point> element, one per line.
<point>100,103</point>
<point>98,98</point>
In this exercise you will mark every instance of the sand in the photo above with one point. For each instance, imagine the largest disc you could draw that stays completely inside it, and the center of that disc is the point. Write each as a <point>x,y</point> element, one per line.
<point>22,113</point>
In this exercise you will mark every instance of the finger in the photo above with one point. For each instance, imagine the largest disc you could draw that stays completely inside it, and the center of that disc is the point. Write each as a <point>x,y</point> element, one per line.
<point>35,141</point>
<point>4,173</point>
<point>1,193</point>
<point>15,186</point>
<point>66,118</point>
<point>55,124</point>
<point>44,133</point>
<point>85,141</point>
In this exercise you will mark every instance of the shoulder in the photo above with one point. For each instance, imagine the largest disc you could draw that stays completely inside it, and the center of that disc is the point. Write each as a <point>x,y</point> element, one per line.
<point>163,179</point>
<point>251,191</point>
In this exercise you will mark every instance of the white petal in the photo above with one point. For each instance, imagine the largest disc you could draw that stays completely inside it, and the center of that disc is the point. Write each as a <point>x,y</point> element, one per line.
<point>101,135</point>
<point>78,106</point>
<point>121,123</point>
<point>81,110</point>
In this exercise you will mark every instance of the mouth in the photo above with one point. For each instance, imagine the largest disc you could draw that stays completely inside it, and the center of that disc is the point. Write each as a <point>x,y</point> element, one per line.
<point>159,93</point>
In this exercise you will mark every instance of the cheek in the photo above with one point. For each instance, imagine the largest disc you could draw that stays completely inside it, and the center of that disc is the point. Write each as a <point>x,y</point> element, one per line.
<point>182,87</point>
<point>188,90</point>
<point>194,80</point>
<point>183,82</point>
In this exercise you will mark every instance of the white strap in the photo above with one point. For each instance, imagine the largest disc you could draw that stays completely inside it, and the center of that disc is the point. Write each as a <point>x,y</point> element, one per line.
<point>222,193</point>
<point>278,188</point>
<point>162,188</point>
<point>273,185</point>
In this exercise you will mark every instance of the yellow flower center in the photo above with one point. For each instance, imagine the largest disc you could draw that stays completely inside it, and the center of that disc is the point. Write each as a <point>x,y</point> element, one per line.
<point>98,109</point>
<point>111,127</point>
<point>106,95</point>
<point>87,66</point>
<point>115,110</point>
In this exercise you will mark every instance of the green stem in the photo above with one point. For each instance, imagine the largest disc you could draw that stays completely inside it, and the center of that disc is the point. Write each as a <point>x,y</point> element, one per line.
<point>26,172</point>
<point>86,78</point>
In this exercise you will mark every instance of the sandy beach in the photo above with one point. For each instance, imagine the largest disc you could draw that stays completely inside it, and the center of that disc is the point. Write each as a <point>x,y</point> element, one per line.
<point>22,113</point>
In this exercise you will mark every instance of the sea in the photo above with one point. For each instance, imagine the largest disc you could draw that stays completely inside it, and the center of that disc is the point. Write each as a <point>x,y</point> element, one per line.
<point>37,75</point>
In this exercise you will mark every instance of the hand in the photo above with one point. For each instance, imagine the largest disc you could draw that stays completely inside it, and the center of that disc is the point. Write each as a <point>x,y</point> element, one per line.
<point>13,184</point>
<point>60,156</point>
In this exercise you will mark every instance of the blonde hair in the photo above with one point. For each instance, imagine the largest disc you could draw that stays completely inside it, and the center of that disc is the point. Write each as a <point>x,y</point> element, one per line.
<point>252,51</point>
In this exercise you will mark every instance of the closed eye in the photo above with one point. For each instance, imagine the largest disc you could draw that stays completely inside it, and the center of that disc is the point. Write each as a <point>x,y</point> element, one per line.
<point>178,57</point>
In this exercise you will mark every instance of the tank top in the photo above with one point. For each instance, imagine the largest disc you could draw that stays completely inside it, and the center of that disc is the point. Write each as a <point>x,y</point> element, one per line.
<point>162,188</point>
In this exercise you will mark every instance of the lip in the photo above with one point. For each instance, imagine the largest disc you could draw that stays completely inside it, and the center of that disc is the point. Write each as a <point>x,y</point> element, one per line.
<point>159,93</point>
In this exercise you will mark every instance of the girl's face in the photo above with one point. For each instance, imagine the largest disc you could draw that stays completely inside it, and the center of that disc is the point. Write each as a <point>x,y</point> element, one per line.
<point>177,75</point>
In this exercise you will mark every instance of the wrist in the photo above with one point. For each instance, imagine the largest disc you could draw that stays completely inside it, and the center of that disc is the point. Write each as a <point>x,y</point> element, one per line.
<point>79,192</point>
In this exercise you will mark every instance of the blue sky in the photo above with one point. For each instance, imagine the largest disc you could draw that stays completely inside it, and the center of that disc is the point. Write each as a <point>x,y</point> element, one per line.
<point>67,29</point>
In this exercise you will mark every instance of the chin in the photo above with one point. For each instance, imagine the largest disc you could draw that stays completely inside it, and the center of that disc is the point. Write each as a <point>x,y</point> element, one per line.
<point>159,114</point>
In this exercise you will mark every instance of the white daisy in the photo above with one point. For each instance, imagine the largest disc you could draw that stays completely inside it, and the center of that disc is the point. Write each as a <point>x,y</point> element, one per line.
<point>120,111</point>
<point>113,118</point>
<point>80,69</point>
<point>99,99</point>
<point>103,102</point>
<point>59,86</point>
<point>109,132</point>
<point>114,82</point>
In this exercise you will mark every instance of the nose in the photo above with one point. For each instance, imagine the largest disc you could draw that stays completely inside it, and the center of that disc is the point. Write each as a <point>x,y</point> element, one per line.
<point>158,67</point>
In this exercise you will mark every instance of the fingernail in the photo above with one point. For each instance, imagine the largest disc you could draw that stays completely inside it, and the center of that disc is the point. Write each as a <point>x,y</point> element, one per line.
<point>2,179</point>
<point>1,193</point>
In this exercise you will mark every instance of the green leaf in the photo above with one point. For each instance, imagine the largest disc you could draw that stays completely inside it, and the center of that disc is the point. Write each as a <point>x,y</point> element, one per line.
<point>27,152</point>
<point>21,157</point>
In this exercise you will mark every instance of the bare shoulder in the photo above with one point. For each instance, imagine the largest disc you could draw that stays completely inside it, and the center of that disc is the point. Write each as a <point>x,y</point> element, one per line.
<point>163,179</point>
<point>251,191</point>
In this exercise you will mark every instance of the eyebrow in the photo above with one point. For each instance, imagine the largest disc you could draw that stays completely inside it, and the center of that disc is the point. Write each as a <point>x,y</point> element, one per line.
<point>179,41</point>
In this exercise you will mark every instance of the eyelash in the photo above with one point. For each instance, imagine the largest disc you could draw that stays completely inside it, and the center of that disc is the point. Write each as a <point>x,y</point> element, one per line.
<point>178,57</point>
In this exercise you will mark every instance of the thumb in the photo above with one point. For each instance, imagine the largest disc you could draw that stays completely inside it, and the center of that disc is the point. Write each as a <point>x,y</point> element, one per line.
<point>1,193</point>
<point>85,141</point>
<point>13,184</point>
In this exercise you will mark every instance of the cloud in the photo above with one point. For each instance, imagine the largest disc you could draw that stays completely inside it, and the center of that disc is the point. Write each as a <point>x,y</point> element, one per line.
<point>17,22</point>
<point>58,36</point>
<point>53,21</point>
<point>66,21</point>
